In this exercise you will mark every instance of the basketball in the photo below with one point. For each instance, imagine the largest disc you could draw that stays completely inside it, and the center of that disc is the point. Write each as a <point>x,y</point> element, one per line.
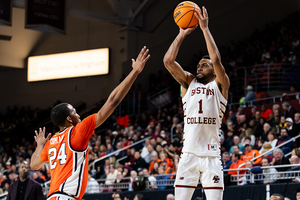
<point>185,14</point>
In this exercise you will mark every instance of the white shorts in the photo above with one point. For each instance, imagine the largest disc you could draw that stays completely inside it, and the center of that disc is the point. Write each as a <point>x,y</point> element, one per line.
<point>192,167</point>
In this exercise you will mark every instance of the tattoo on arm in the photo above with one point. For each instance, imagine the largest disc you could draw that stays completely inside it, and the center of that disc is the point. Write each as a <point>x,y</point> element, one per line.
<point>180,81</point>
<point>173,47</point>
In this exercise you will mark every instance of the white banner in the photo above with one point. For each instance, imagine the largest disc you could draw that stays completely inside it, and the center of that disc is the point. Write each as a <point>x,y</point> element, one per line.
<point>68,65</point>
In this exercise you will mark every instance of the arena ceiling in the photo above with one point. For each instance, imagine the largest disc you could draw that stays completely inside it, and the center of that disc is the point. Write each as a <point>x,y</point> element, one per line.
<point>17,43</point>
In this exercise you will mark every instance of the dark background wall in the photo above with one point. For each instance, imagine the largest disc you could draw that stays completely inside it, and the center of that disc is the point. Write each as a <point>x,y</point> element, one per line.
<point>229,20</point>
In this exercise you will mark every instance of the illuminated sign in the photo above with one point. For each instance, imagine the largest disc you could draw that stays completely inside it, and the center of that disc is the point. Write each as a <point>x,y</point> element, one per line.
<point>68,65</point>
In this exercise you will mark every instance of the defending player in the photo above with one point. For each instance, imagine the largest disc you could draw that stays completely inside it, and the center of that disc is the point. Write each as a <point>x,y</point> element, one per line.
<point>204,98</point>
<point>67,151</point>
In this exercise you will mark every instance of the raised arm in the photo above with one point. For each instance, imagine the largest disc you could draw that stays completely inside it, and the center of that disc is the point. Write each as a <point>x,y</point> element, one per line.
<point>182,77</point>
<point>214,53</point>
<point>36,160</point>
<point>122,89</point>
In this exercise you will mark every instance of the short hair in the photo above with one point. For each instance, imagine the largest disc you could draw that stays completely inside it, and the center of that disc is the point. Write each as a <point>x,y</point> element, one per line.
<point>284,128</point>
<point>286,104</point>
<point>266,159</point>
<point>59,114</point>
<point>278,151</point>
<point>247,138</point>
<point>298,190</point>
<point>205,57</point>
<point>278,195</point>
<point>236,154</point>
<point>226,153</point>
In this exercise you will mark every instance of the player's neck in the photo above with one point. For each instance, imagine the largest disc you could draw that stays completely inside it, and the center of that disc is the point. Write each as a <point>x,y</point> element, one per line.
<point>206,81</point>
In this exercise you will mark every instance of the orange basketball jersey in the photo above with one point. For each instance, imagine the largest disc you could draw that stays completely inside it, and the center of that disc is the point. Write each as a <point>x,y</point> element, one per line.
<point>67,154</point>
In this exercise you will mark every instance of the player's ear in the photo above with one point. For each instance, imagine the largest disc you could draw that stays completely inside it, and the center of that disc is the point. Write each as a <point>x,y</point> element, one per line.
<point>69,119</point>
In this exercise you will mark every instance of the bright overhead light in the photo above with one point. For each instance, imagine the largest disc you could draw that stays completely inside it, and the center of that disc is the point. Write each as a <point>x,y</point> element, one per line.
<point>68,65</point>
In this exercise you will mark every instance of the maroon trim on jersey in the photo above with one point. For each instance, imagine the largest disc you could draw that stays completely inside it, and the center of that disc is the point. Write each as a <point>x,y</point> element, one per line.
<point>212,188</point>
<point>185,186</point>
<point>183,103</point>
<point>223,103</point>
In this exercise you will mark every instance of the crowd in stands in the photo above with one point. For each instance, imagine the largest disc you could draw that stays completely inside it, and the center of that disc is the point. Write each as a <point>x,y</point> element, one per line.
<point>246,133</point>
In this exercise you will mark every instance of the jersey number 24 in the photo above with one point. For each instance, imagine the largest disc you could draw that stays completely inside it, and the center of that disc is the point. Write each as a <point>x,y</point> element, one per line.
<point>61,156</point>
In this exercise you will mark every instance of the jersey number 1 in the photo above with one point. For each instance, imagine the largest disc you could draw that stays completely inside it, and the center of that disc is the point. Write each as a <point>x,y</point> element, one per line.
<point>62,156</point>
<point>200,107</point>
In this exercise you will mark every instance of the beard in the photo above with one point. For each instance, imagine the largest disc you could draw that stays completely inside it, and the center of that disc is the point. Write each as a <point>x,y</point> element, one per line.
<point>205,78</point>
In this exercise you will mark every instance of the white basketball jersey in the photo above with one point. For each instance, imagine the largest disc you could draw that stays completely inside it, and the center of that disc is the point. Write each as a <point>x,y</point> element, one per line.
<point>204,107</point>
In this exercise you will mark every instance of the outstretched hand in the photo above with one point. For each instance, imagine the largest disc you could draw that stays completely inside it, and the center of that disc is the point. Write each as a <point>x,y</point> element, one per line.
<point>40,137</point>
<point>203,18</point>
<point>141,60</point>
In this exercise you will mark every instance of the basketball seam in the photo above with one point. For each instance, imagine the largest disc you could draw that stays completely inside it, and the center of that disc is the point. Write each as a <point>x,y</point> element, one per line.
<point>183,15</point>
<point>191,17</point>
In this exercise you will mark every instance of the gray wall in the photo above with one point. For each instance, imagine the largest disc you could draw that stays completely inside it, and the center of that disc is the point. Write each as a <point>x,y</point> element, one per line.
<point>229,20</point>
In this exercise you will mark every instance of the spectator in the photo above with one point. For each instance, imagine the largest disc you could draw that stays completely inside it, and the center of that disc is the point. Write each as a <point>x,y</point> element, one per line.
<point>112,175</point>
<point>292,131</point>
<point>125,142</point>
<point>247,133</point>
<point>178,132</point>
<point>298,194</point>
<point>155,168</point>
<point>279,159</point>
<point>172,197</point>
<point>249,177</point>
<point>260,128</point>
<point>236,162</point>
<point>271,174</point>
<point>237,141</point>
<point>160,179</point>
<point>282,122</point>
<point>151,152</point>
<point>109,149</point>
<point>250,154</point>
<point>145,151</point>
<point>121,153</point>
<point>133,177</point>
<point>130,159</point>
<point>92,185</point>
<point>296,152</point>
<point>135,139</point>
<point>156,133</point>
<point>138,197</point>
<point>174,127</point>
<point>155,159</point>
<point>139,162</point>
<point>250,96</point>
<point>36,177</point>
<point>266,130</point>
<point>276,196</point>
<point>294,161</point>
<point>266,113</point>
<point>25,188</point>
<point>115,139</point>
<point>292,91</point>
<point>257,117</point>
<point>229,141</point>
<point>236,149</point>
<point>283,138</point>
<point>164,157</point>
<point>226,162</point>
<point>288,110</point>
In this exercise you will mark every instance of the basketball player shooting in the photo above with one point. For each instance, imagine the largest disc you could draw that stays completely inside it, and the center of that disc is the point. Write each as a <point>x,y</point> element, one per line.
<point>67,151</point>
<point>204,98</point>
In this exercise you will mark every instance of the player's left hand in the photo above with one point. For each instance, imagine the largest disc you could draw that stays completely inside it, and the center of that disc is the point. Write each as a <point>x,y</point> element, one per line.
<point>203,18</point>
<point>40,137</point>
<point>141,60</point>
